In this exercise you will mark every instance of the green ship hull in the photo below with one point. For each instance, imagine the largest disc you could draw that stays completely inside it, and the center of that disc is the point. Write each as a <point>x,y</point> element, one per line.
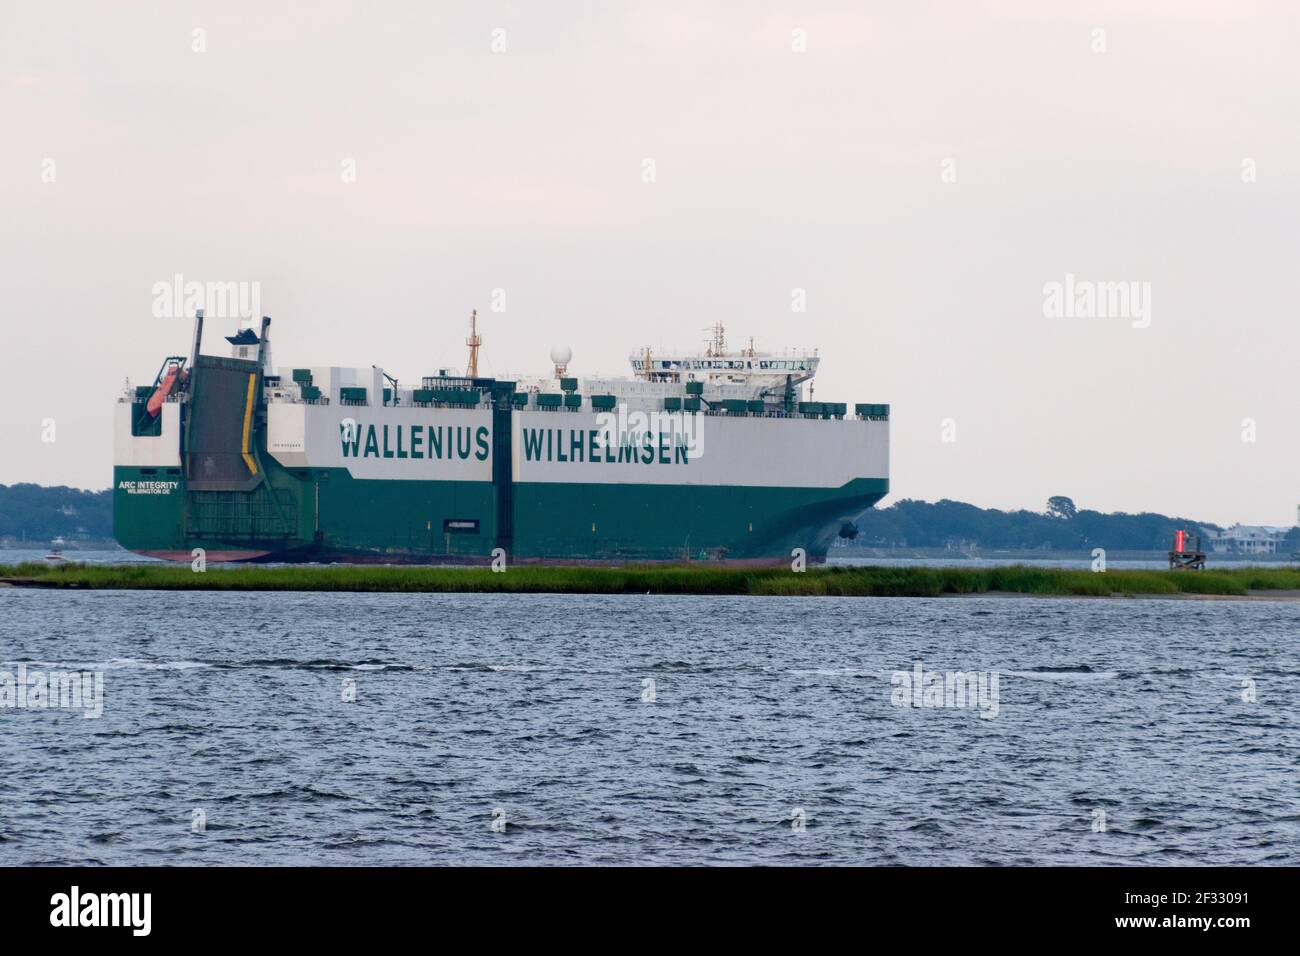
<point>331,516</point>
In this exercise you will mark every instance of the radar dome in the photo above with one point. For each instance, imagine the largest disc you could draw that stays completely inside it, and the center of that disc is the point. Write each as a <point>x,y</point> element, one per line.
<point>561,355</point>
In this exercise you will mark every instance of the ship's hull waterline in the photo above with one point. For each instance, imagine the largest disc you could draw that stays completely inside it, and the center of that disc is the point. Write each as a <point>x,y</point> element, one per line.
<point>365,521</point>
<point>243,465</point>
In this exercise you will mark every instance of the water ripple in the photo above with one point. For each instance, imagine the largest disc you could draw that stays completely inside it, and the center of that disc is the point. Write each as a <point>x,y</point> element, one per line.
<point>386,728</point>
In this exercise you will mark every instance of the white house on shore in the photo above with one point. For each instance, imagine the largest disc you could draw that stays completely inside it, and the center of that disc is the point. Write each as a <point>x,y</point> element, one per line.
<point>1246,539</point>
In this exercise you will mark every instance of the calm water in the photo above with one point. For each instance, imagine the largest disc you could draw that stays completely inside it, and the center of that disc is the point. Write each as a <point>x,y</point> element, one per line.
<point>232,704</point>
<point>76,555</point>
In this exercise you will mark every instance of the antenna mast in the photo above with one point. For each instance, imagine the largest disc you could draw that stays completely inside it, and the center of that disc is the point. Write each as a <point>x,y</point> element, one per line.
<point>719,339</point>
<point>719,344</point>
<point>474,341</point>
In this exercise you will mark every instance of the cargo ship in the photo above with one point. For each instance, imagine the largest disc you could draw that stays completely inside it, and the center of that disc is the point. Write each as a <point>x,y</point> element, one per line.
<point>711,455</point>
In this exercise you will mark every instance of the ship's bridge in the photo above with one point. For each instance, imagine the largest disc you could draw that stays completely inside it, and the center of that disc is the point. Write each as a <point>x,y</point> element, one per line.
<point>761,372</point>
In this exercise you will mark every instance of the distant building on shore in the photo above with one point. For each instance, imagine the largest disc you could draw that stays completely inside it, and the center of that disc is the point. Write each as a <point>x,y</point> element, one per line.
<point>1246,539</point>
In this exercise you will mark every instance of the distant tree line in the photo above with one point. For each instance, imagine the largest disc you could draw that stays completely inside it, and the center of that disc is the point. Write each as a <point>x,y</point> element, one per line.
<point>1061,527</point>
<point>39,514</point>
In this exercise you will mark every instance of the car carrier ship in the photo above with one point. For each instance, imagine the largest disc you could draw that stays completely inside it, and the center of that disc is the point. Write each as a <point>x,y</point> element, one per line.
<point>714,456</point>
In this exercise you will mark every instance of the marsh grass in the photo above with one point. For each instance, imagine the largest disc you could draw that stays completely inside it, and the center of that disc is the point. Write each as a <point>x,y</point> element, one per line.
<point>836,581</point>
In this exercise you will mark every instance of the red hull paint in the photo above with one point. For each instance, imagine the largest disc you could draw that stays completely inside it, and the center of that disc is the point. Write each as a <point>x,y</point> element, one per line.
<point>216,557</point>
<point>425,560</point>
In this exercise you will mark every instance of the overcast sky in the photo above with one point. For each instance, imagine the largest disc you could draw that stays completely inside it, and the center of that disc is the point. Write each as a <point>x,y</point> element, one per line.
<point>921,170</point>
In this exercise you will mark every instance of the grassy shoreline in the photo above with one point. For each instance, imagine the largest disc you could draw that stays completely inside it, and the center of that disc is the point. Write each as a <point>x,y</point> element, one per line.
<point>671,579</point>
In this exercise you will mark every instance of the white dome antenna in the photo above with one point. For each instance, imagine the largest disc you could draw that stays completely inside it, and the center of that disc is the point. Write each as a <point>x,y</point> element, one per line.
<point>561,356</point>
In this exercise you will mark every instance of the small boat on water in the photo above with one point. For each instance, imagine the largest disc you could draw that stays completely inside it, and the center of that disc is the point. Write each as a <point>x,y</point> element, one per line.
<point>54,556</point>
